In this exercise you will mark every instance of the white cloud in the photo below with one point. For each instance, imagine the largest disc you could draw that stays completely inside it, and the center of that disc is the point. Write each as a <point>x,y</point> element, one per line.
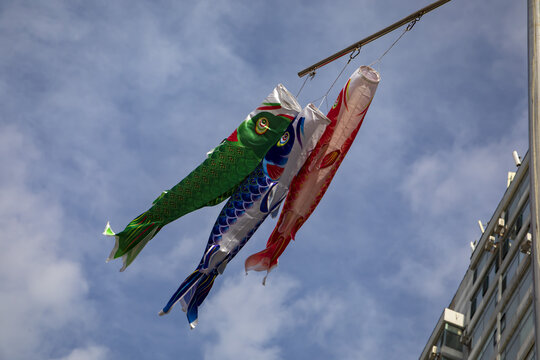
<point>432,277</point>
<point>252,321</point>
<point>332,316</point>
<point>247,317</point>
<point>40,289</point>
<point>442,182</point>
<point>448,192</point>
<point>463,174</point>
<point>92,352</point>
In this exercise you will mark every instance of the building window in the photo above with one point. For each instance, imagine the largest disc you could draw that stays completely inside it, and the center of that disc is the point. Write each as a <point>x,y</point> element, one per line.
<point>481,264</point>
<point>452,336</point>
<point>511,271</point>
<point>485,285</point>
<point>488,350</point>
<point>526,211</point>
<point>518,338</point>
<point>503,322</point>
<point>473,306</point>
<point>517,197</point>
<point>506,247</point>
<point>517,225</point>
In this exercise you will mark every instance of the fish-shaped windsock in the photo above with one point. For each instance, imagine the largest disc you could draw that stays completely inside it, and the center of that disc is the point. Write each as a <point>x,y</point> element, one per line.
<point>260,194</point>
<point>312,181</point>
<point>216,178</point>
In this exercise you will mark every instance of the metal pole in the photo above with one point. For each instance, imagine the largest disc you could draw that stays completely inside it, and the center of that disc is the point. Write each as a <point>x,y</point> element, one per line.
<point>534,153</point>
<point>375,36</point>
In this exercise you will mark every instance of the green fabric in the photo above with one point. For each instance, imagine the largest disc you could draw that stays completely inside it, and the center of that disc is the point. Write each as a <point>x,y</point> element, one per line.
<point>209,184</point>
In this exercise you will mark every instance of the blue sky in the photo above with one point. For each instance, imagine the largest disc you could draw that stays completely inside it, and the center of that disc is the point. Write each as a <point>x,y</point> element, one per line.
<point>105,104</point>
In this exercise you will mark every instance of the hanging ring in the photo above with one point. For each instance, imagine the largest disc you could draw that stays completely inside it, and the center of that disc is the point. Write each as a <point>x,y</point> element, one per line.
<point>354,54</point>
<point>412,23</point>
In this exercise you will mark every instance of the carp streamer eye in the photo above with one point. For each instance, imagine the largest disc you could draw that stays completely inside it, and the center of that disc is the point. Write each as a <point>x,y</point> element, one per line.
<point>262,126</point>
<point>284,139</point>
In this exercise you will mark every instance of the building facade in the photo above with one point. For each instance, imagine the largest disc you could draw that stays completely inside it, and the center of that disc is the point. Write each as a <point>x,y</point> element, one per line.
<point>491,315</point>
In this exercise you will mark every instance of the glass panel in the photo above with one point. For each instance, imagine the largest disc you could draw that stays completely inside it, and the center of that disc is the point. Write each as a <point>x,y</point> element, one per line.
<point>485,316</point>
<point>488,349</point>
<point>507,244</point>
<point>452,337</point>
<point>518,295</point>
<point>518,223</point>
<point>481,263</point>
<point>526,211</point>
<point>485,285</point>
<point>515,200</point>
<point>477,332</point>
<point>524,328</point>
<point>512,307</point>
<point>514,229</point>
<point>527,328</point>
<point>490,307</point>
<point>525,283</point>
<point>476,301</point>
<point>511,270</point>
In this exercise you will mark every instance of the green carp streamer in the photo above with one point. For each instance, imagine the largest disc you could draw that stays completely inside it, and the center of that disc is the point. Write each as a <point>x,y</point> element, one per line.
<point>215,179</point>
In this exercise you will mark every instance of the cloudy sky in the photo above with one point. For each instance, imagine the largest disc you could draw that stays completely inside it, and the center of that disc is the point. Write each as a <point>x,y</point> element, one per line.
<point>104,104</point>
